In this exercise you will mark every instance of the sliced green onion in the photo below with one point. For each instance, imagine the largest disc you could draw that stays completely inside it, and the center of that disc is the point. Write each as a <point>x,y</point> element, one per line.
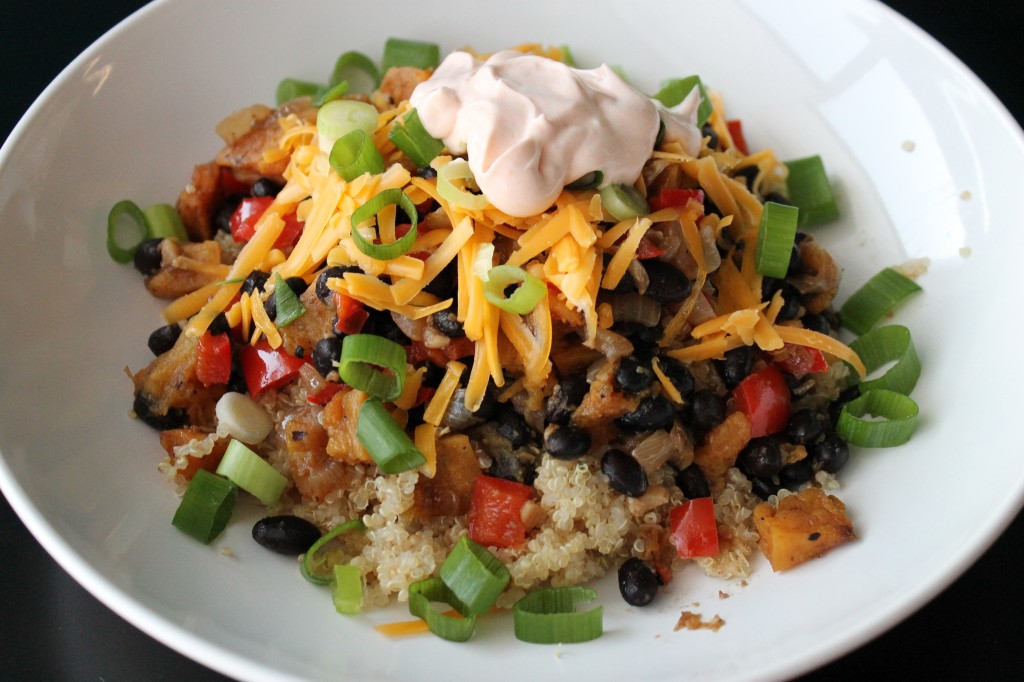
<point>358,70</point>
<point>891,343</point>
<point>291,88</point>
<point>809,189</point>
<point>163,220</point>
<point>409,135</point>
<point>252,473</point>
<point>452,628</point>
<point>388,445</point>
<point>878,296</point>
<point>389,197</point>
<point>878,419</point>
<point>206,507</point>
<point>402,52</point>
<point>775,237</point>
<point>549,616</point>
<point>348,589</point>
<point>675,91</point>
<point>329,94</point>
<point>458,169</point>
<point>316,566</point>
<point>289,308</point>
<point>623,201</point>
<point>567,57</point>
<point>589,181</point>
<point>340,117</point>
<point>474,575</point>
<point>354,154</point>
<point>526,296</point>
<point>124,217</point>
<point>373,365</point>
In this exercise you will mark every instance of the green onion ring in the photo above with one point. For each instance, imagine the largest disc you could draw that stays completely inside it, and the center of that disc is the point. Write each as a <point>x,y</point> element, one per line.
<point>125,214</point>
<point>526,296</point>
<point>807,186</point>
<point>310,567</point>
<point>474,575</point>
<point>423,592</point>
<point>388,444</point>
<point>775,236</point>
<point>887,344</point>
<point>289,308</point>
<point>252,473</point>
<point>329,94</point>
<point>389,197</point>
<point>206,506</point>
<point>347,590</point>
<point>899,418</point>
<point>549,616</point>
<point>409,135</point>
<point>458,169</point>
<point>878,296</point>
<point>403,52</point>
<point>591,180</point>
<point>623,201</point>
<point>354,154</point>
<point>350,66</point>
<point>372,364</point>
<point>163,220</point>
<point>291,88</point>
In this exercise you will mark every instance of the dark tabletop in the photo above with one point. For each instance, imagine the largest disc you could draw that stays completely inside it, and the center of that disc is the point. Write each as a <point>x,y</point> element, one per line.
<point>971,631</point>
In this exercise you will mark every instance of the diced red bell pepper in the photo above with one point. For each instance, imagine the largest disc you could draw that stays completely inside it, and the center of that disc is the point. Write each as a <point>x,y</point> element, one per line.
<point>417,353</point>
<point>264,367</point>
<point>330,389</point>
<point>693,528</point>
<point>800,360</point>
<point>213,359</point>
<point>229,184</point>
<point>677,198</point>
<point>495,513</point>
<point>764,398</point>
<point>250,210</point>
<point>352,314</point>
<point>736,133</point>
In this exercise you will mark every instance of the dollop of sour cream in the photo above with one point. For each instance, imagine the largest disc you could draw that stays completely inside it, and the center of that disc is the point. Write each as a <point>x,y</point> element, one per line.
<point>531,125</point>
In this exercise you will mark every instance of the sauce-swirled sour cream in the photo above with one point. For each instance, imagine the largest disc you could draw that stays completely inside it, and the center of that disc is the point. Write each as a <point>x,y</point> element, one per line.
<point>531,125</point>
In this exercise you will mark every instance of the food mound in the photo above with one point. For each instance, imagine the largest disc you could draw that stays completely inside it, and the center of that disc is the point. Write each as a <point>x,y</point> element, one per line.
<point>631,377</point>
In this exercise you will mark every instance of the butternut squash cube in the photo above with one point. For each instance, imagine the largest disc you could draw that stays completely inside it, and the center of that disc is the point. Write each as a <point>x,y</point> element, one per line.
<point>802,527</point>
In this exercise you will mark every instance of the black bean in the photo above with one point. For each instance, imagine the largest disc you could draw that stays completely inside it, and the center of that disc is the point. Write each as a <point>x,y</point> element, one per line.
<point>147,258</point>
<point>836,406</point>
<point>297,285</point>
<point>222,216</point>
<point>174,418</point>
<point>763,487</point>
<point>777,198</point>
<point>736,365</point>
<point>678,374</point>
<point>790,296</point>
<point>220,325</point>
<point>654,412</point>
<point>692,483</point>
<point>426,172</point>
<point>748,173</point>
<point>512,425</point>
<point>565,398</point>
<point>325,354</point>
<point>446,282</point>
<point>633,375</point>
<point>795,261</point>
<point>256,281</point>
<point>380,323</point>
<point>270,307</point>
<point>625,475</point>
<point>323,292</point>
<point>761,457</point>
<point>816,323</point>
<point>236,383</point>
<point>830,453</point>
<point>805,426</point>
<point>667,284</point>
<point>265,187</point>
<point>566,442</point>
<point>638,582</point>
<point>643,338</point>
<point>445,322</point>
<point>794,475</point>
<point>707,130</point>
<point>163,338</point>
<point>285,534</point>
<point>707,409</point>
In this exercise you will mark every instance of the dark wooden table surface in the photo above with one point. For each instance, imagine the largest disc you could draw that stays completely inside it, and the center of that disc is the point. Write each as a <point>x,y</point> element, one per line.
<point>971,631</point>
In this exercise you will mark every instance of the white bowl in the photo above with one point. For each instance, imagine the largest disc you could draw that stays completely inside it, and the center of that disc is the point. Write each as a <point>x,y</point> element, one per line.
<point>925,161</point>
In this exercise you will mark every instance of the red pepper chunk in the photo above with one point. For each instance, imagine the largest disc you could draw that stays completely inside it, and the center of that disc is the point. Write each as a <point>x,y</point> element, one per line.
<point>800,360</point>
<point>352,315</point>
<point>736,133</point>
<point>694,532</point>
<point>264,367</point>
<point>250,210</point>
<point>676,198</point>
<point>495,513</point>
<point>213,359</point>
<point>764,398</point>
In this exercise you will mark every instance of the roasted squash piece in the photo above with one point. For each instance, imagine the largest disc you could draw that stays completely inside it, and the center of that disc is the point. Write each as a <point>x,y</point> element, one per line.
<point>450,491</point>
<point>724,443</point>
<point>802,527</point>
